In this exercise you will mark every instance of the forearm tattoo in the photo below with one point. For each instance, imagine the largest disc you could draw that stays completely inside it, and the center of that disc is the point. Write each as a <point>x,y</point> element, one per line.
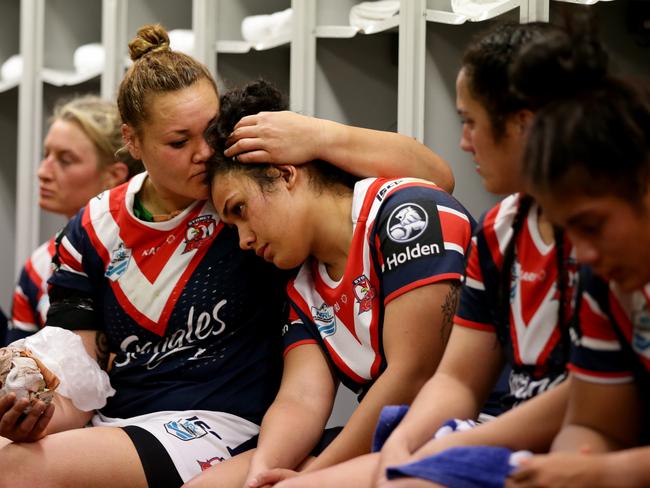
<point>448,310</point>
<point>101,347</point>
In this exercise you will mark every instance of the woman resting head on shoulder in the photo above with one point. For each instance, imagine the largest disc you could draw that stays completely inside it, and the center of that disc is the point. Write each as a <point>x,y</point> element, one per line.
<point>371,304</point>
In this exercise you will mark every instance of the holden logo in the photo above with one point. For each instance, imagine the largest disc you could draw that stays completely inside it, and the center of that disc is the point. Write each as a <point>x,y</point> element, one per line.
<point>407,222</point>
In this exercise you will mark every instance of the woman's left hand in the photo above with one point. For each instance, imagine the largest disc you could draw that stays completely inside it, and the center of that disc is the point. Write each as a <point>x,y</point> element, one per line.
<point>275,137</point>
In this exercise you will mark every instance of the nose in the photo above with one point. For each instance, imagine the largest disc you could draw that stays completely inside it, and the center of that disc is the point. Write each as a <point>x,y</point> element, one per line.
<point>465,144</point>
<point>586,253</point>
<point>44,171</point>
<point>246,238</point>
<point>203,152</point>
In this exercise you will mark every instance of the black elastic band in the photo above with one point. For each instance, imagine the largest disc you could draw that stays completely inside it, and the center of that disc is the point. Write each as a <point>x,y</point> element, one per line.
<point>156,462</point>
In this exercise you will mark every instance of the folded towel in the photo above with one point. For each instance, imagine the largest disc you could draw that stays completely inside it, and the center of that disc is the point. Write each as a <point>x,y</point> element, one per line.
<point>463,467</point>
<point>389,418</point>
<point>255,28</point>
<point>12,68</point>
<point>473,8</point>
<point>89,58</point>
<point>367,14</point>
<point>182,40</point>
<point>454,425</point>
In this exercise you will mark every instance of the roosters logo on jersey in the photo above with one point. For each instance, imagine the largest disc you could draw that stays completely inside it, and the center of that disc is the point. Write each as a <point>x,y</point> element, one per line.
<point>407,222</point>
<point>210,462</point>
<point>199,230</point>
<point>324,319</point>
<point>364,293</point>
<point>120,258</point>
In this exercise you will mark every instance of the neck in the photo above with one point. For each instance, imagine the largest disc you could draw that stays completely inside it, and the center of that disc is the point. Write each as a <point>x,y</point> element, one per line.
<point>159,204</point>
<point>333,231</point>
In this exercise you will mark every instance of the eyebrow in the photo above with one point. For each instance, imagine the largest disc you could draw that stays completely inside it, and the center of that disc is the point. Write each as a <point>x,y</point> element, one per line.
<point>225,212</point>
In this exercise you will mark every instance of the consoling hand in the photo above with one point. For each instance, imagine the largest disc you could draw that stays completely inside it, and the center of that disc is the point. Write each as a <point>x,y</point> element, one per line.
<point>20,427</point>
<point>275,137</point>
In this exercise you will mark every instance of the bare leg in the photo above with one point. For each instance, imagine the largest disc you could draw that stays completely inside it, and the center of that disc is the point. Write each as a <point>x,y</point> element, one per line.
<point>230,473</point>
<point>98,457</point>
<point>358,472</point>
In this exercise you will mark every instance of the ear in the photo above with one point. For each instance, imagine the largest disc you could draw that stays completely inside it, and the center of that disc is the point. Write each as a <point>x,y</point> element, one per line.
<point>115,174</point>
<point>131,141</point>
<point>524,120</point>
<point>289,175</point>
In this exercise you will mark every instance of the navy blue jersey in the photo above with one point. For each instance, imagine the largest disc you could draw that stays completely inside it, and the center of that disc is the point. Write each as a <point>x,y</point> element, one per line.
<point>194,321</point>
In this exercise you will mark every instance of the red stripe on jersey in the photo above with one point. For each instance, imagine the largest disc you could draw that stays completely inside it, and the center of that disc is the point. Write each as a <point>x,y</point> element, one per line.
<point>455,229</point>
<point>470,324</point>
<point>490,235</point>
<point>593,323</point>
<point>417,284</point>
<point>473,269</point>
<point>618,375</point>
<point>299,343</point>
<point>22,309</point>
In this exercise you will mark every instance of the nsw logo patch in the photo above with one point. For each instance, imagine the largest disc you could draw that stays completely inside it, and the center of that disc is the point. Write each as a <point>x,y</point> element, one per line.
<point>120,259</point>
<point>325,319</point>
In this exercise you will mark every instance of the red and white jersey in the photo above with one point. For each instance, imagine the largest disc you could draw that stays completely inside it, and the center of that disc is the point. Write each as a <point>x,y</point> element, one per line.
<point>407,233</point>
<point>534,345</point>
<point>615,332</point>
<point>31,300</point>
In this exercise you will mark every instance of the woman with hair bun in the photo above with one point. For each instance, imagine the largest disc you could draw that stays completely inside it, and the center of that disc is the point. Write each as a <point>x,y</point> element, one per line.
<point>81,159</point>
<point>148,272</point>
<point>588,164</point>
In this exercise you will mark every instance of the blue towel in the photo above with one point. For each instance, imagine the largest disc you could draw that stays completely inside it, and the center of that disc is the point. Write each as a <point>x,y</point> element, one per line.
<point>389,418</point>
<point>461,467</point>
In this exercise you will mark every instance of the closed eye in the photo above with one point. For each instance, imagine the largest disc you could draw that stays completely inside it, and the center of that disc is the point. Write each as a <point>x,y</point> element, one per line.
<point>178,144</point>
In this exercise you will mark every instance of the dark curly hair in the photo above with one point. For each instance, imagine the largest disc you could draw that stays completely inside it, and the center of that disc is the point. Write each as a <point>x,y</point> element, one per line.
<point>591,132</point>
<point>255,97</point>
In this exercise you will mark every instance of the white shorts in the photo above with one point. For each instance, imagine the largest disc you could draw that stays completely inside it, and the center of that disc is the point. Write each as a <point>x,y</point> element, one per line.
<point>194,439</point>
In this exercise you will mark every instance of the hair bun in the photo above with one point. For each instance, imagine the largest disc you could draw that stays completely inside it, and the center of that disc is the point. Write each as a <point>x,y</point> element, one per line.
<point>561,65</point>
<point>149,38</point>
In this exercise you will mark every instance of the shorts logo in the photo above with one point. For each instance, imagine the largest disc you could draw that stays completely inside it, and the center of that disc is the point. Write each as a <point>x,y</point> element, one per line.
<point>364,293</point>
<point>185,429</point>
<point>199,230</point>
<point>325,319</point>
<point>120,259</point>
<point>210,462</point>
<point>407,222</point>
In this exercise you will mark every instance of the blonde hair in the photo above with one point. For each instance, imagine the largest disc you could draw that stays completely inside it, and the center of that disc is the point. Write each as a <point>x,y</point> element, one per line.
<point>156,69</point>
<point>100,121</point>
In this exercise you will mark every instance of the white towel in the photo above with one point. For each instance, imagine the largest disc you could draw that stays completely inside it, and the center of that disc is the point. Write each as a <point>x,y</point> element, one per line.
<point>473,8</point>
<point>89,58</point>
<point>12,68</point>
<point>256,28</point>
<point>367,14</point>
<point>182,40</point>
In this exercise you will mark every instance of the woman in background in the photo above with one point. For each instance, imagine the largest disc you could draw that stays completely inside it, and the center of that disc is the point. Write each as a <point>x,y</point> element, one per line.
<point>81,159</point>
<point>588,164</point>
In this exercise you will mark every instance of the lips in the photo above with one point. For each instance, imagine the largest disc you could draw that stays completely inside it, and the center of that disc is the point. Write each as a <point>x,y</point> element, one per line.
<point>260,251</point>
